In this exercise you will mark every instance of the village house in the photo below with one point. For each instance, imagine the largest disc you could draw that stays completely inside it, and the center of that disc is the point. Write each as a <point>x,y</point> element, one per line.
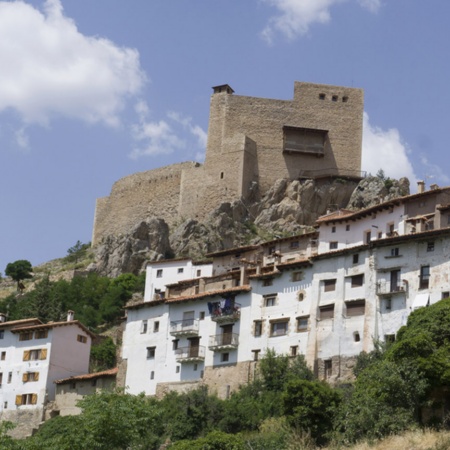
<point>32,356</point>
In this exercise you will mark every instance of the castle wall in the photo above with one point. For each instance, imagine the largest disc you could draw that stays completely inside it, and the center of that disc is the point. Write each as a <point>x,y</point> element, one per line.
<point>137,197</point>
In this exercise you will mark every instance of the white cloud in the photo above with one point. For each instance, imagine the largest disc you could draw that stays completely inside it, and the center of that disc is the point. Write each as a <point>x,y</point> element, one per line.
<point>162,137</point>
<point>296,16</point>
<point>48,68</point>
<point>432,173</point>
<point>385,150</point>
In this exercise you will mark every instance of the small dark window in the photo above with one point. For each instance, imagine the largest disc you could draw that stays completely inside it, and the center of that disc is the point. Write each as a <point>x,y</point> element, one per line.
<point>268,282</point>
<point>333,229</point>
<point>424,277</point>
<point>225,357</point>
<point>302,323</point>
<point>356,258</point>
<point>445,294</point>
<point>294,350</point>
<point>430,246</point>
<point>155,326</point>
<point>328,368</point>
<point>345,99</point>
<point>395,251</point>
<point>151,352</point>
<point>177,369</point>
<point>356,308</point>
<point>152,375</point>
<point>256,354</point>
<point>199,272</point>
<point>202,315</point>
<point>329,285</point>
<point>270,300</point>
<point>2,334</point>
<point>356,336</point>
<point>334,98</point>
<point>257,327</point>
<point>326,312</point>
<point>180,270</point>
<point>295,244</point>
<point>333,245</point>
<point>279,328</point>
<point>357,280</point>
<point>221,175</point>
<point>297,276</point>
<point>347,227</point>
<point>159,273</point>
<point>321,96</point>
<point>174,344</point>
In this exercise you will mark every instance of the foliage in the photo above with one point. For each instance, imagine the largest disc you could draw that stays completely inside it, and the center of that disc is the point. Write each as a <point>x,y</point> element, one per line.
<point>365,359</point>
<point>216,440</point>
<point>77,252</point>
<point>109,421</point>
<point>189,415</point>
<point>103,355</point>
<point>19,270</point>
<point>309,406</point>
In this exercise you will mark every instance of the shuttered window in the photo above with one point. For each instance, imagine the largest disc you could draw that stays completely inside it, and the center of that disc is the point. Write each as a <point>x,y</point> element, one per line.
<point>329,285</point>
<point>326,312</point>
<point>356,308</point>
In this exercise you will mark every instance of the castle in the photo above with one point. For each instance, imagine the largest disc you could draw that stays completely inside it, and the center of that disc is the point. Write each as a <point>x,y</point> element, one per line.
<point>252,142</point>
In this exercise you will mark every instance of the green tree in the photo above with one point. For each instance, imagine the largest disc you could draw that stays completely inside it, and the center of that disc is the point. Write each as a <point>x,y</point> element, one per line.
<point>19,270</point>
<point>103,355</point>
<point>77,252</point>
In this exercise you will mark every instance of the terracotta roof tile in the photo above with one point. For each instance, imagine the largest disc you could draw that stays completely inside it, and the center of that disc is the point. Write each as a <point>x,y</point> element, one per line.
<point>89,376</point>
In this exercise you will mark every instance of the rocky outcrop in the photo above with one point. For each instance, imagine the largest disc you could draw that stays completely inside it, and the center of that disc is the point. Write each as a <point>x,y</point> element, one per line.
<point>286,209</point>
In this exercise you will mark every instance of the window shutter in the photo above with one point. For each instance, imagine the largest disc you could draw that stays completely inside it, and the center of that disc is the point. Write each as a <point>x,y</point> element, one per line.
<point>26,355</point>
<point>33,399</point>
<point>43,354</point>
<point>18,400</point>
<point>36,376</point>
<point>25,377</point>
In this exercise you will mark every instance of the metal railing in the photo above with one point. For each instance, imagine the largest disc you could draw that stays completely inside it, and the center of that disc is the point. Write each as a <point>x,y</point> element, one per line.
<point>386,287</point>
<point>224,313</point>
<point>184,327</point>
<point>224,340</point>
<point>191,353</point>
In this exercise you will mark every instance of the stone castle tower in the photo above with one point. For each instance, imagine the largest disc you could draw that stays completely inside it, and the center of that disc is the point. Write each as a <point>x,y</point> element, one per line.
<point>252,142</point>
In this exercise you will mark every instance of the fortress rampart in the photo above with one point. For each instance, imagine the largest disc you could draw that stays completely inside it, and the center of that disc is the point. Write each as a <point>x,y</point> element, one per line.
<point>252,142</point>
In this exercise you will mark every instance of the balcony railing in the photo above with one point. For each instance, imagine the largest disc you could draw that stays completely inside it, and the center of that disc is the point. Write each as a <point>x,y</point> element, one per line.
<point>225,341</point>
<point>387,288</point>
<point>187,327</point>
<point>226,313</point>
<point>190,354</point>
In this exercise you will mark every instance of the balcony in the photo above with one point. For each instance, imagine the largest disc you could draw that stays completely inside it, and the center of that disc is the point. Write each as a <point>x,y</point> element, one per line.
<point>226,314</point>
<point>387,288</point>
<point>223,342</point>
<point>190,354</point>
<point>184,328</point>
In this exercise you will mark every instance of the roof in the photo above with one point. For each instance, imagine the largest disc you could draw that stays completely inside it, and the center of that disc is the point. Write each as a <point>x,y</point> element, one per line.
<point>89,376</point>
<point>46,326</point>
<point>309,234</point>
<point>20,323</point>
<point>343,214</point>
<point>230,251</point>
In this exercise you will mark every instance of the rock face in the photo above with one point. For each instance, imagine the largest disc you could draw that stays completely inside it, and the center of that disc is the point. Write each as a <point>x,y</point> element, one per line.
<point>286,209</point>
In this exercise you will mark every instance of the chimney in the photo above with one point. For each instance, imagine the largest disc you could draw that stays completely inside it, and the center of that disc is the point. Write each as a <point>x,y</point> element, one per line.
<point>2,317</point>
<point>420,187</point>
<point>434,186</point>
<point>70,315</point>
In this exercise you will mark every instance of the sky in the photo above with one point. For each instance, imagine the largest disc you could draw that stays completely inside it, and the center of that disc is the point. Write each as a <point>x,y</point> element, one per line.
<point>92,91</point>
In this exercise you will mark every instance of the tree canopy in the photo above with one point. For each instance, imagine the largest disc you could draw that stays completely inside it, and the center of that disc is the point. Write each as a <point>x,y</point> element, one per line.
<point>19,270</point>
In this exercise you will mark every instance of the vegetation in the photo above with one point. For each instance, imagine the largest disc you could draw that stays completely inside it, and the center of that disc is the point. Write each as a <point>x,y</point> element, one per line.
<point>77,252</point>
<point>19,270</point>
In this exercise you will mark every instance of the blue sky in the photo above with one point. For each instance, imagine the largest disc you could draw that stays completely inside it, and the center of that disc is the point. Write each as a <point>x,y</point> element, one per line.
<point>91,91</point>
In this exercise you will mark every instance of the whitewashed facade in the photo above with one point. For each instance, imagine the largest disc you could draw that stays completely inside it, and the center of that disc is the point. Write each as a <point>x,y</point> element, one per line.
<point>328,304</point>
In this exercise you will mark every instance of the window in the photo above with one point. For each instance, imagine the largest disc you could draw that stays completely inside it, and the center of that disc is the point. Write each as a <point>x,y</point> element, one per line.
<point>302,323</point>
<point>304,141</point>
<point>202,315</point>
<point>5,405</point>
<point>333,245</point>
<point>326,312</point>
<point>424,277</point>
<point>345,99</point>
<point>257,328</point>
<point>159,273</point>
<point>321,96</point>
<point>389,338</point>
<point>1,378</point>
<point>268,282</point>
<point>368,237</point>
<point>347,227</point>
<point>445,294</point>
<point>9,377</point>
<point>356,336</point>
<point>279,328</point>
<point>297,276</point>
<point>155,326</point>
<point>199,272</point>
<point>144,325</point>
<point>329,285</point>
<point>151,352</point>
<point>388,304</point>
<point>30,376</point>
<point>195,367</point>
<point>26,336</point>
<point>152,375</point>
<point>82,339</point>
<point>34,355</point>
<point>395,251</point>
<point>3,356</point>
<point>333,229</point>
<point>355,308</point>
<point>380,234</point>
<point>2,334</point>
<point>41,334</point>
<point>271,250</point>
<point>294,350</point>
<point>256,354</point>
<point>175,344</point>
<point>430,246</point>
<point>356,258</point>
<point>94,382</point>
<point>221,175</point>
<point>177,369</point>
<point>328,368</point>
<point>357,280</point>
<point>295,244</point>
<point>225,357</point>
<point>270,300</point>
<point>334,98</point>
<point>180,270</point>
<point>300,296</point>
<point>26,399</point>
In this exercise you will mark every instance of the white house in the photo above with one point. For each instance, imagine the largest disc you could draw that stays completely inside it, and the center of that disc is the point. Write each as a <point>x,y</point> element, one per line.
<point>32,356</point>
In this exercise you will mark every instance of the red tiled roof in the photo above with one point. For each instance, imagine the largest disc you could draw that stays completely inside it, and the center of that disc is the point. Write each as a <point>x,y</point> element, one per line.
<point>229,251</point>
<point>21,322</point>
<point>89,376</point>
<point>244,288</point>
<point>43,326</point>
